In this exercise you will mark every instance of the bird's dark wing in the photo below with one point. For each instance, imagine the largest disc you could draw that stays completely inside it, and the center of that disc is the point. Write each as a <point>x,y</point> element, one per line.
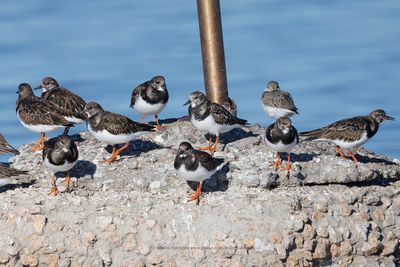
<point>6,171</point>
<point>223,116</point>
<point>207,161</point>
<point>119,124</point>
<point>35,112</point>
<point>279,99</point>
<point>140,89</point>
<point>347,130</point>
<point>5,147</point>
<point>68,103</point>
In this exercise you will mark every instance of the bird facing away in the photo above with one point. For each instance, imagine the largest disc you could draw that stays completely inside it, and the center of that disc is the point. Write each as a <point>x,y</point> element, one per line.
<point>5,147</point>
<point>37,114</point>
<point>112,128</point>
<point>150,98</point>
<point>350,133</point>
<point>69,105</point>
<point>277,103</point>
<point>281,137</point>
<point>211,117</point>
<point>6,171</point>
<point>195,165</point>
<point>60,154</point>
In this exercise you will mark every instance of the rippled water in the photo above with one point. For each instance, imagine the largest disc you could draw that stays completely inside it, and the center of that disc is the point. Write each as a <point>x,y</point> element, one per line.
<point>338,59</point>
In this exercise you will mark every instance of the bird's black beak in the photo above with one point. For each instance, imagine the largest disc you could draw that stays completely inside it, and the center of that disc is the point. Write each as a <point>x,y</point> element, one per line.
<point>389,118</point>
<point>37,88</point>
<point>187,102</point>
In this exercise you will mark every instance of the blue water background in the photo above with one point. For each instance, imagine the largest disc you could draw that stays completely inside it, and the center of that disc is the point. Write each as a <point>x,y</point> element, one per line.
<point>337,58</point>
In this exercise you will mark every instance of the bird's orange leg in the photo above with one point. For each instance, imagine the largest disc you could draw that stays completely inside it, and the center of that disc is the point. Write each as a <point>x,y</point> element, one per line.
<point>40,144</point>
<point>288,166</point>
<point>158,125</point>
<point>54,190</point>
<point>143,121</point>
<point>213,148</point>
<point>340,152</point>
<point>353,156</point>
<point>67,181</point>
<point>278,161</point>
<point>208,147</point>
<point>116,153</point>
<point>196,195</point>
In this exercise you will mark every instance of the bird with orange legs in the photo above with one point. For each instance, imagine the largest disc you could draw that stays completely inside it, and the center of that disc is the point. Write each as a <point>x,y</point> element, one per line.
<point>350,133</point>
<point>195,165</point>
<point>211,117</point>
<point>38,115</point>
<point>281,137</point>
<point>150,98</point>
<point>60,154</point>
<point>112,128</point>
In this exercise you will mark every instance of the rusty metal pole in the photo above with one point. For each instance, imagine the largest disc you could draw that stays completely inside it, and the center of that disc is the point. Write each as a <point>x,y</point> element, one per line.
<point>212,48</point>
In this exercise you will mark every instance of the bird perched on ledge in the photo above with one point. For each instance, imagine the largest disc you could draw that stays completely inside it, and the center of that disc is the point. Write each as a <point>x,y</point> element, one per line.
<point>69,105</point>
<point>5,147</point>
<point>277,103</point>
<point>150,98</point>
<point>281,136</point>
<point>112,128</point>
<point>60,154</point>
<point>211,117</point>
<point>350,133</point>
<point>37,114</point>
<point>195,165</point>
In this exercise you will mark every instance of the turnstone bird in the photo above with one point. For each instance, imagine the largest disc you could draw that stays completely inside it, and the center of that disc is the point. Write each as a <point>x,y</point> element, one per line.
<point>150,98</point>
<point>195,165</point>
<point>211,117</point>
<point>60,154</point>
<point>350,133</point>
<point>7,171</point>
<point>5,147</point>
<point>277,103</point>
<point>281,136</point>
<point>69,105</point>
<point>112,128</point>
<point>38,115</point>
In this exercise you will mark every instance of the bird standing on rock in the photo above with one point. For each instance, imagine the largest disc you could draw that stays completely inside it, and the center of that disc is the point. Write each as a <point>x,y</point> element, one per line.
<point>281,137</point>
<point>60,154</point>
<point>5,147</point>
<point>195,165</point>
<point>350,133</point>
<point>37,114</point>
<point>112,128</point>
<point>69,105</point>
<point>277,103</point>
<point>150,98</point>
<point>211,117</point>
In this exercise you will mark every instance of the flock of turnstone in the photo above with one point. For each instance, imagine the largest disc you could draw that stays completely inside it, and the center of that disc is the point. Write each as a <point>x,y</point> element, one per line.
<point>58,107</point>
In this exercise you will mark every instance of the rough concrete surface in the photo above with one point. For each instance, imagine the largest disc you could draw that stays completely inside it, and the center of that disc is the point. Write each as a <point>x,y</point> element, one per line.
<point>134,212</point>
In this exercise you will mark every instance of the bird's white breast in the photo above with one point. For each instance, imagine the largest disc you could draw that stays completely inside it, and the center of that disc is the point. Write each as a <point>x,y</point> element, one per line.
<point>112,139</point>
<point>73,119</point>
<point>198,175</point>
<point>280,146</point>
<point>40,128</point>
<point>145,108</point>
<point>277,112</point>
<point>348,145</point>
<point>209,125</point>
<point>59,168</point>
